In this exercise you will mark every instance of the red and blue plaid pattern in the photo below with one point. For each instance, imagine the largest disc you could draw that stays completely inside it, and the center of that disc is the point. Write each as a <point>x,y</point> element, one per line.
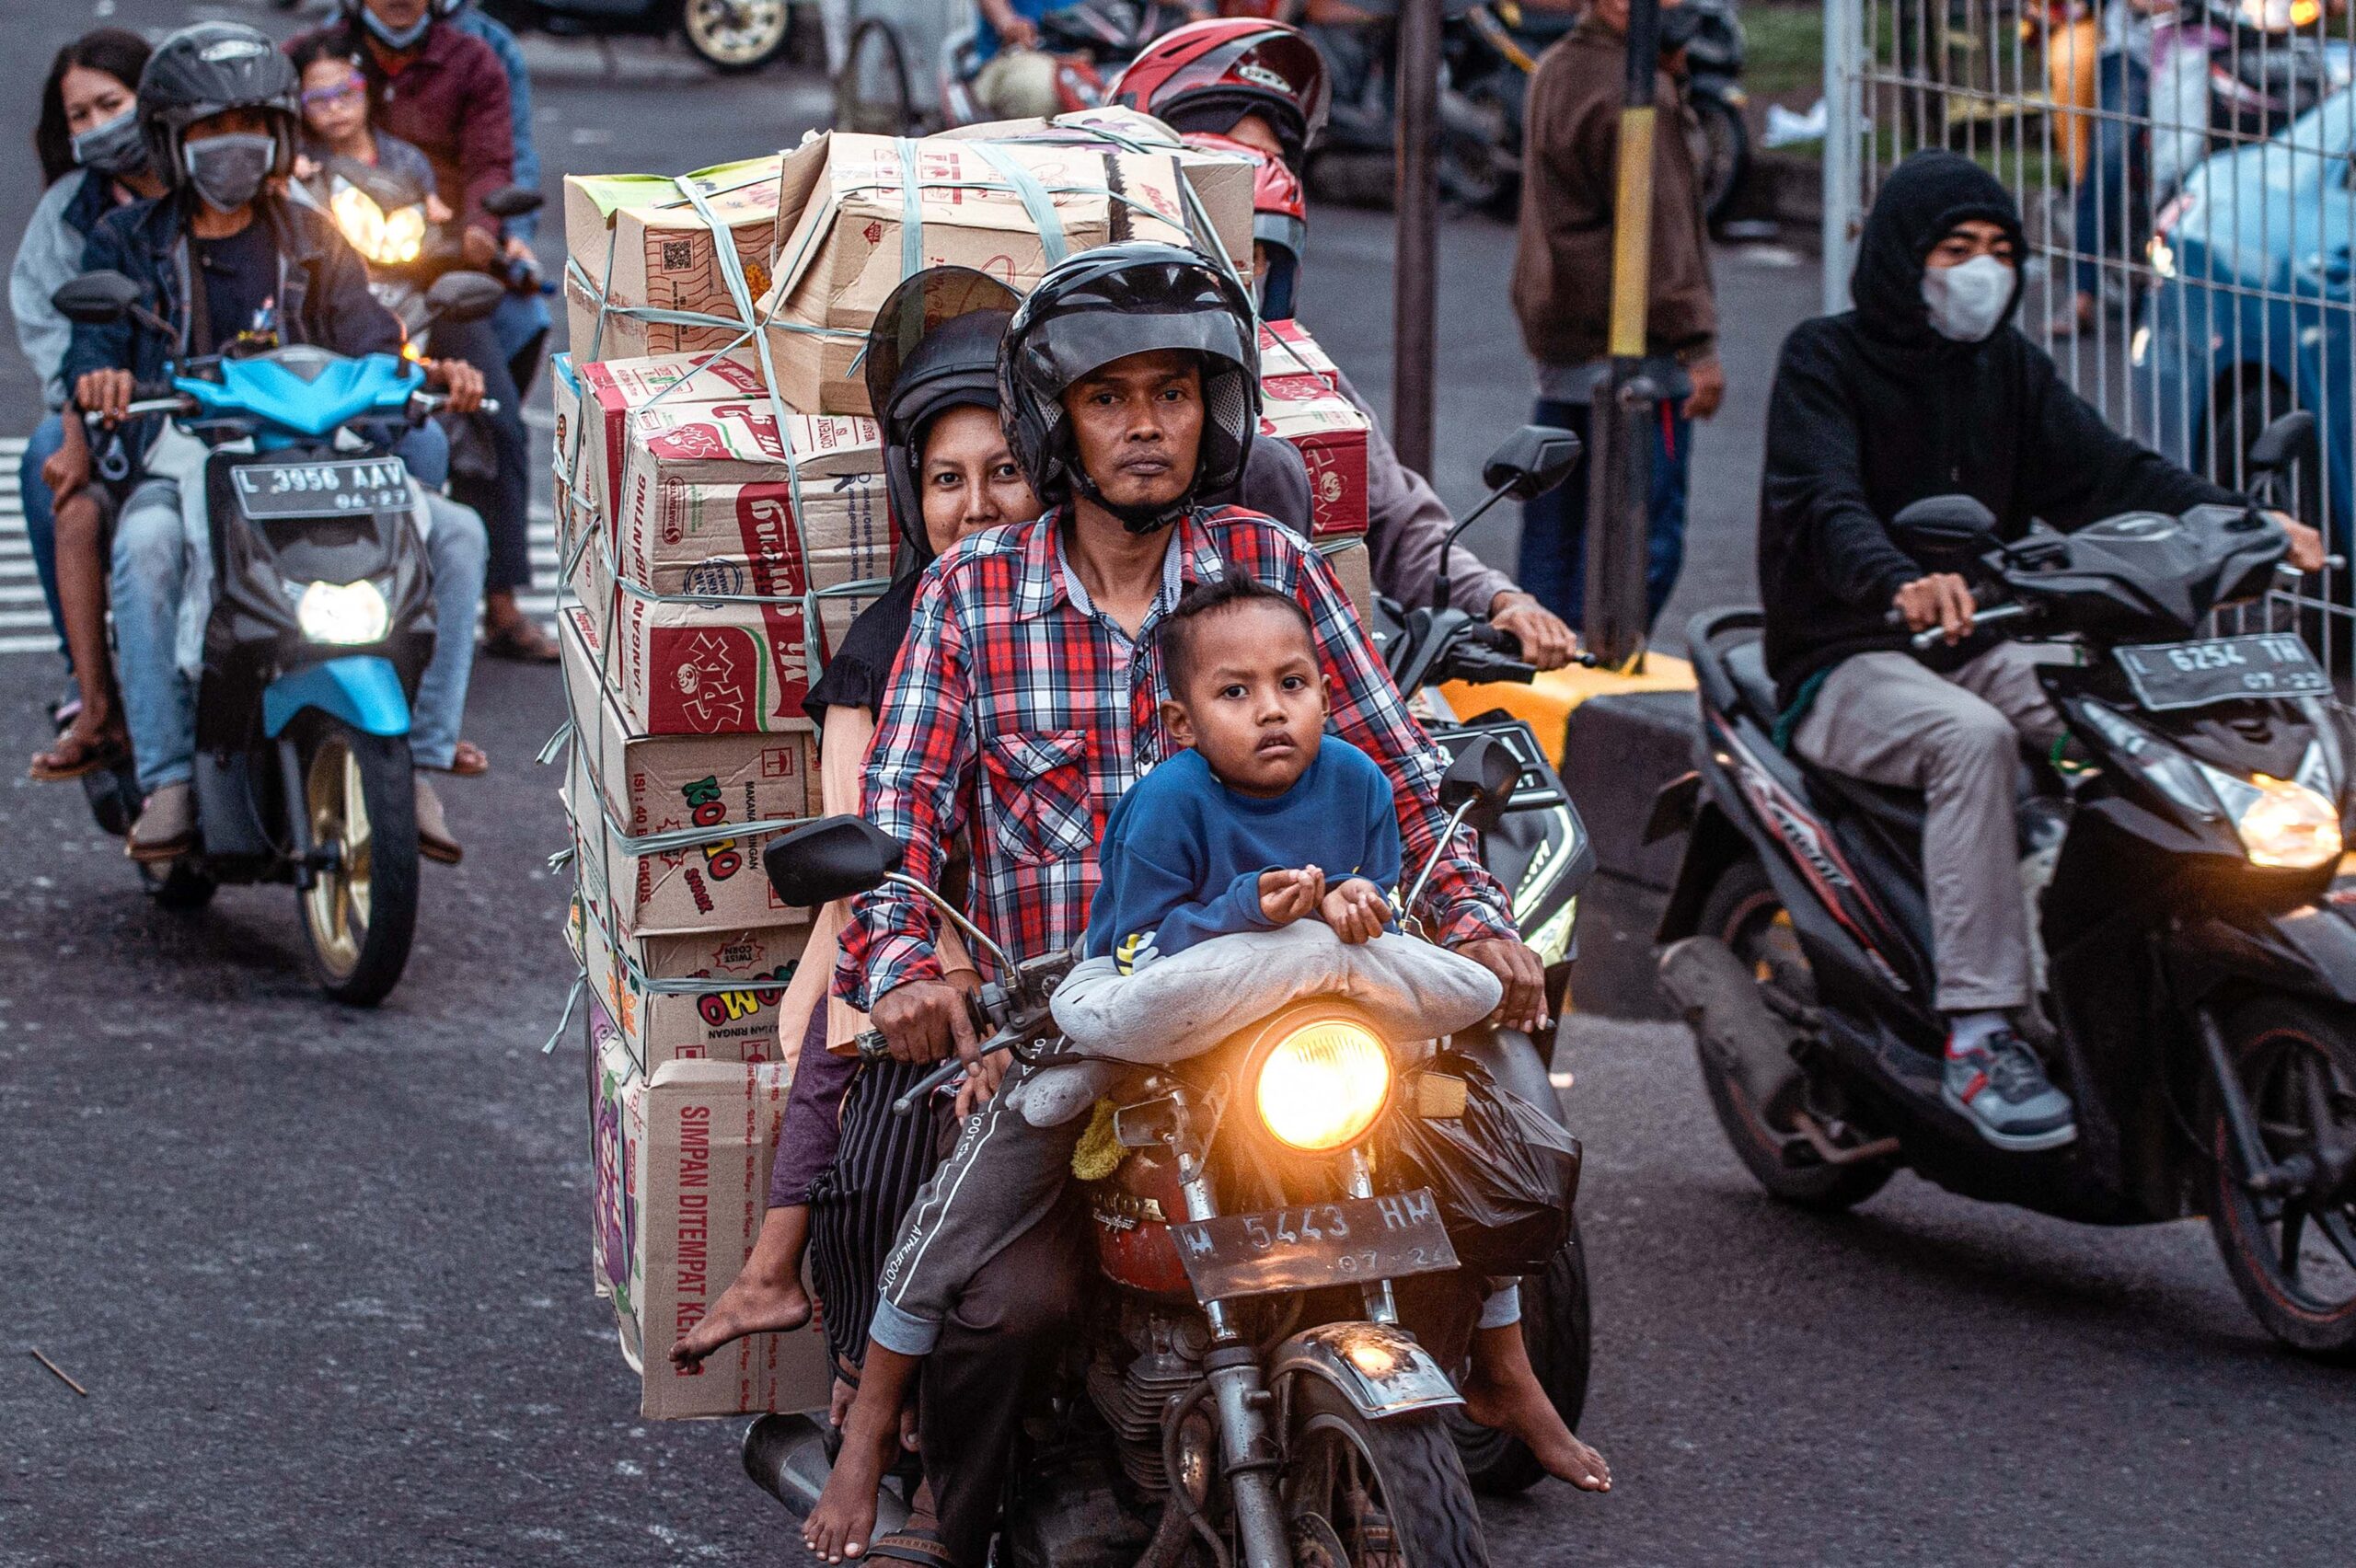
<point>1017,711</point>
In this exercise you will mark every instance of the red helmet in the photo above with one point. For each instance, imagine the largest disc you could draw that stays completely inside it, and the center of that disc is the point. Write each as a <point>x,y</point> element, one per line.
<point>1279,220</point>
<point>1206,76</point>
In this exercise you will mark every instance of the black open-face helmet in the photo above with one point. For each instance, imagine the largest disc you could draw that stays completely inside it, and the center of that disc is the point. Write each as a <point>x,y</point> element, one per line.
<point>1106,304</point>
<point>933,348</point>
<point>209,69</point>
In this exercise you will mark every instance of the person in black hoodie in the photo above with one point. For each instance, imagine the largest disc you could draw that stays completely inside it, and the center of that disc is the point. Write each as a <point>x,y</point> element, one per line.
<point>1925,388</point>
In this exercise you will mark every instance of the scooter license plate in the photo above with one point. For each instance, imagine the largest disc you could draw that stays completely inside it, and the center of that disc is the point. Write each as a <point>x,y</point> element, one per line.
<point>1311,1246</point>
<point>2168,676</point>
<point>339,488</point>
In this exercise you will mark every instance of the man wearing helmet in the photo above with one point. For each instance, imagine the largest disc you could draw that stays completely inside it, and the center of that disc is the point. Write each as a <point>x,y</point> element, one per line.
<point>1258,89</point>
<point>1026,702</point>
<point>229,262</point>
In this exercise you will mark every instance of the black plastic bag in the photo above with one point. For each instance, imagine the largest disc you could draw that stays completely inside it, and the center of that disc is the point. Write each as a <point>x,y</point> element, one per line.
<point>1506,1173</point>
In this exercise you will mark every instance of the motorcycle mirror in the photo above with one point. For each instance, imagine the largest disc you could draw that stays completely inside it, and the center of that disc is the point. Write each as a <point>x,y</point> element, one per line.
<point>2283,441</point>
<point>96,299</point>
<point>1946,526</point>
<point>513,202</point>
<point>1484,775</point>
<point>464,296</point>
<point>1531,461</point>
<point>832,858</point>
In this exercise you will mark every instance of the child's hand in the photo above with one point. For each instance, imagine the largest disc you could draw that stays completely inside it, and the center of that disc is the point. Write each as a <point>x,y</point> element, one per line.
<point>1356,910</point>
<point>1286,896</point>
<point>981,1084</point>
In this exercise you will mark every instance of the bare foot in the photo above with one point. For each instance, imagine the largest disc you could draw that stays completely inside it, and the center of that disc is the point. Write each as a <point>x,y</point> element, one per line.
<point>749,1306</point>
<point>1520,1407</point>
<point>844,1518</point>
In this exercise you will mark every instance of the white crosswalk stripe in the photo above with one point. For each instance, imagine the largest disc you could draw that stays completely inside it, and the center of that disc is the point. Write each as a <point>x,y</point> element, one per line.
<point>24,617</point>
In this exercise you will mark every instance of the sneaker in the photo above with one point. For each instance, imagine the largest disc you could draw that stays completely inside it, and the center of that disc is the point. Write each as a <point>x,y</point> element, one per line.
<point>2001,1087</point>
<point>166,826</point>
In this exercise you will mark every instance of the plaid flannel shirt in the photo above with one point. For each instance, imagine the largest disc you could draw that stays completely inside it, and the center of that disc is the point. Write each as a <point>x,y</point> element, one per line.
<point>1019,712</point>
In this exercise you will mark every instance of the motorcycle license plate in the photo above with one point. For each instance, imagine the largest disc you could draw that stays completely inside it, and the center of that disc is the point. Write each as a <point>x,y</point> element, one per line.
<point>2168,676</point>
<point>1311,1246</point>
<point>339,488</point>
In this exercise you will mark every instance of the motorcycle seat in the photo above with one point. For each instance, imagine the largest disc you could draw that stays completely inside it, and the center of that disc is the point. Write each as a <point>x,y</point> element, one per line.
<point>1746,665</point>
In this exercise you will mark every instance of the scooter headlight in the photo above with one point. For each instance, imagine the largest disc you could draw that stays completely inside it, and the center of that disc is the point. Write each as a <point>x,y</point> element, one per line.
<point>1324,1085</point>
<point>346,613</point>
<point>2280,824</point>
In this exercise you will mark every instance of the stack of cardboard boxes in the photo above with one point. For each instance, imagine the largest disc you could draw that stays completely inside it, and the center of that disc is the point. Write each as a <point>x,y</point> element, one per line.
<point>721,516</point>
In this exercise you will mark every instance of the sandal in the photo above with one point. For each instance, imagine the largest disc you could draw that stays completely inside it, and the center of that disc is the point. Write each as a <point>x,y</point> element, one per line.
<point>911,1545</point>
<point>70,756</point>
<point>521,642</point>
<point>468,761</point>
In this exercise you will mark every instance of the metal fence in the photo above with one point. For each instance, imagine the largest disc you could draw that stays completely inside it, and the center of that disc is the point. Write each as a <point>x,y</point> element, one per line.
<point>2184,174</point>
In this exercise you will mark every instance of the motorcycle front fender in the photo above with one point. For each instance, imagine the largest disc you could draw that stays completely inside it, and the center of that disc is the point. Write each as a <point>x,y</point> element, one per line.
<point>1381,1370</point>
<point>364,691</point>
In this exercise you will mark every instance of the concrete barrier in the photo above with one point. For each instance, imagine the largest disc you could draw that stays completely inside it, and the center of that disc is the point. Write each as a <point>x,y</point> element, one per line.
<point>1618,750</point>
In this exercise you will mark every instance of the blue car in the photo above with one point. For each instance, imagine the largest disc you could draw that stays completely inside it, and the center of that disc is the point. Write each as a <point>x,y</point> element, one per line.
<point>2255,303</point>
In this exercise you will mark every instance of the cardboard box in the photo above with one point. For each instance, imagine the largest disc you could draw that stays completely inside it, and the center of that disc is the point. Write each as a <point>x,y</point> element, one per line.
<point>1286,348</point>
<point>1330,433</point>
<point>639,239</point>
<point>734,1021</point>
<point>716,885</point>
<point>1354,566</point>
<point>610,391</point>
<point>683,1166</point>
<point>843,245</point>
<point>1223,183</point>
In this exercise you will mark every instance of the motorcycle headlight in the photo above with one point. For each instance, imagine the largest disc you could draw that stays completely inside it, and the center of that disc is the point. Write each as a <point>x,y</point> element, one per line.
<point>348,613</point>
<point>2281,823</point>
<point>1324,1085</point>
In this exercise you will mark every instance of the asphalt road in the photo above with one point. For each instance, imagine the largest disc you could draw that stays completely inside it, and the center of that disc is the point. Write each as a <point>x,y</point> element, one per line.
<point>323,1274</point>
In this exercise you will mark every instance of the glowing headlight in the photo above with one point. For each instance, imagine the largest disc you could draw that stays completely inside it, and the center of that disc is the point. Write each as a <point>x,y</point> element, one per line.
<point>2282,824</point>
<point>349,613</point>
<point>1324,1085</point>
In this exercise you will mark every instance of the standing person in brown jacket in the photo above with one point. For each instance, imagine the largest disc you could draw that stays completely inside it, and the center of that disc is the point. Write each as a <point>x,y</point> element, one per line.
<point>1562,292</point>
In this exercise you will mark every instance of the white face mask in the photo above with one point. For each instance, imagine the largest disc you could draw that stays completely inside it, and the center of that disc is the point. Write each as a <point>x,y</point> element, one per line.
<point>1967,300</point>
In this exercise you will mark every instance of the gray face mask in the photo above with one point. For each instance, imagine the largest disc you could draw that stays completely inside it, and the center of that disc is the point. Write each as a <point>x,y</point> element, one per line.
<point>406,38</point>
<point>115,147</point>
<point>1966,301</point>
<point>227,171</point>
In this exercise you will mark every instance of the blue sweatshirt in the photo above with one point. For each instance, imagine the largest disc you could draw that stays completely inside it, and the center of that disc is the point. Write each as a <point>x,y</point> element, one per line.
<point>1183,853</point>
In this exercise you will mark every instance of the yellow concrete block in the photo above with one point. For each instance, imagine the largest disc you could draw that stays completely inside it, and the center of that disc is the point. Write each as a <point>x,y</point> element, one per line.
<point>1546,703</point>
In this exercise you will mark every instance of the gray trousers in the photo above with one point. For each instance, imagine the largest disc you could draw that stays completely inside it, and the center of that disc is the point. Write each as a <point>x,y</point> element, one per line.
<point>1886,719</point>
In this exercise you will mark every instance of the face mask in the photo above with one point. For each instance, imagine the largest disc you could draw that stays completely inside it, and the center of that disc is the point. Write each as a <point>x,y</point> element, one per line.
<point>114,147</point>
<point>396,38</point>
<point>1968,300</point>
<point>227,171</point>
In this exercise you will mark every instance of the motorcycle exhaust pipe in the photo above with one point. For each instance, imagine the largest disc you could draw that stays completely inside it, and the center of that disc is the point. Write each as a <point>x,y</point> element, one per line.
<point>786,1455</point>
<point>1718,998</point>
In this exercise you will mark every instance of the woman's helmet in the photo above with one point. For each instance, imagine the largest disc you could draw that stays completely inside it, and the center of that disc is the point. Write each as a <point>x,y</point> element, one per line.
<point>1206,76</point>
<point>933,348</point>
<point>1279,220</point>
<point>209,69</point>
<point>1106,304</point>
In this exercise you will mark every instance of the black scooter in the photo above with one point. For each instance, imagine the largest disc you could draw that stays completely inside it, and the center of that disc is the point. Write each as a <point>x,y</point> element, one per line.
<point>2198,954</point>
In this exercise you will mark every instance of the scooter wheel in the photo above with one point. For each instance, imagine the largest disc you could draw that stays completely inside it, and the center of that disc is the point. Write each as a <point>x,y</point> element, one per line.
<point>360,912</point>
<point>2291,1257</point>
<point>1744,912</point>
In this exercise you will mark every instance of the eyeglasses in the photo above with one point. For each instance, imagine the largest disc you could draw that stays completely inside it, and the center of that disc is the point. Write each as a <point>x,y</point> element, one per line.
<point>319,98</point>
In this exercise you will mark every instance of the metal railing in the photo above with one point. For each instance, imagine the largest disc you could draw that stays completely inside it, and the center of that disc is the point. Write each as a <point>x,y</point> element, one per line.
<point>2184,174</point>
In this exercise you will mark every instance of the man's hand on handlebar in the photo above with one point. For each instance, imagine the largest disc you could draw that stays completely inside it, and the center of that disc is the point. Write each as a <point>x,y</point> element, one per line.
<point>461,384</point>
<point>1524,1007</point>
<point>107,393</point>
<point>480,248</point>
<point>1941,600</point>
<point>2306,544</point>
<point>1545,641</point>
<point>924,1020</point>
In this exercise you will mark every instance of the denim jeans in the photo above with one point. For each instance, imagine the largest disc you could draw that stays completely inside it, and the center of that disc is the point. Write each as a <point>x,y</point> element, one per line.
<point>503,499</point>
<point>40,514</point>
<point>150,573</point>
<point>1553,564</point>
<point>2117,184</point>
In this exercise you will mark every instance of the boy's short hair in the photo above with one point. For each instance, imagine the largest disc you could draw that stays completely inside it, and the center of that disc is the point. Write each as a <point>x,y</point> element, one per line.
<point>1176,636</point>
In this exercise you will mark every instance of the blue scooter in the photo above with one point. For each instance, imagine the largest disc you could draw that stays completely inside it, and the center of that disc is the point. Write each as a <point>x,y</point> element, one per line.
<point>321,626</point>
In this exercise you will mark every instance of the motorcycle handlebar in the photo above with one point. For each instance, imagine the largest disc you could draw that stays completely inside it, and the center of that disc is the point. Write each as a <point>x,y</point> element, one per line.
<point>1929,636</point>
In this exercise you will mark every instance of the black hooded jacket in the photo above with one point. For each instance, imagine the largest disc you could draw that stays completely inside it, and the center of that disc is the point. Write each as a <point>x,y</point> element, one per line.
<point>1872,411</point>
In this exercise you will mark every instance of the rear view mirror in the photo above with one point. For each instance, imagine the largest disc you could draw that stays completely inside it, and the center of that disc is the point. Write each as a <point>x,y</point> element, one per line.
<point>1483,776</point>
<point>2283,441</point>
<point>464,296</point>
<point>96,299</point>
<point>1531,461</point>
<point>832,858</point>
<point>513,202</point>
<point>1947,527</point>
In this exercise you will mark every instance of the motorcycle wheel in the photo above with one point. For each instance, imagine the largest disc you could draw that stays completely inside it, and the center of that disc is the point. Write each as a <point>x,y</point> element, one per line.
<point>1557,1328</point>
<point>735,35</point>
<point>1388,1493</point>
<point>360,912</point>
<point>177,886</point>
<point>1721,154</point>
<point>1744,912</point>
<point>2293,1259</point>
<point>1484,171</point>
<point>871,94</point>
